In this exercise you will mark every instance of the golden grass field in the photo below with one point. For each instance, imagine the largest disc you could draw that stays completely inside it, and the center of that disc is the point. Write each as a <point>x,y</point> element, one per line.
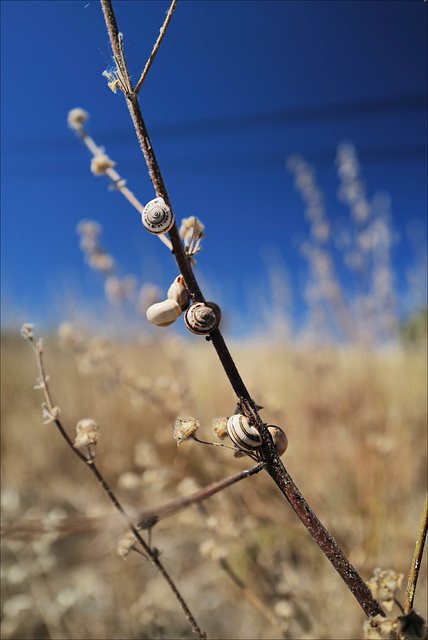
<point>356,423</point>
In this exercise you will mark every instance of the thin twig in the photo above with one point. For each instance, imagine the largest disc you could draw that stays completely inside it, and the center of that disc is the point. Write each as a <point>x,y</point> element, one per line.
<point>147,519</point>
<point>274,465</point>
<point>250,595</point>
<point>416,561</point>
<point>115,178</point>
<point>156,47</point>
<point>152,554</point>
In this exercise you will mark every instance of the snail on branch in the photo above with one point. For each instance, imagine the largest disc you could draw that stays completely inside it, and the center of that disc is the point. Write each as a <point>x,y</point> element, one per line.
<point>164,313</point>
<point>157,216</point>
<point>202,318</point>
<point>178,292</point>
<point>247,438</point>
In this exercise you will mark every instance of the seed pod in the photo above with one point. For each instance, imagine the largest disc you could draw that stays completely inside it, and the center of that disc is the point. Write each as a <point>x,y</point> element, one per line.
<point>200,319</point>
<point>242,434</point>
<point>163,313</point>
<point>157,216</point>
<point>178,292</point>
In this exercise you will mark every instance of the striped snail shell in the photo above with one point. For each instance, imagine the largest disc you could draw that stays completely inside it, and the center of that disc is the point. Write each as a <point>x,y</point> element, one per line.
<point>163,313</point>
<point>247,438</point>
<point>157,216</point>
<point>242,434</point>
<point>200,319</point>
<point>178,292</point>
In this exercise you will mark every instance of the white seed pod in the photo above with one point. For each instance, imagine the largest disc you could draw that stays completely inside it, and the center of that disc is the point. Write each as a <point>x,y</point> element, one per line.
<point>279,438</point>
<point>162,314</point>
<point>200,319</point>
<point>242,434</point>
<point>157,216</point>
<point>178,292</point>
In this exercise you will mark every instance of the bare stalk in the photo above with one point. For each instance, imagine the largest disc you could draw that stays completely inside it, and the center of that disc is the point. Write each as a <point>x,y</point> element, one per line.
<point>53,412</point>
<point>416,561</point>
<point>115,178</point>
<point>274,465</point>
<point>147,519</point>
<point>157,45</point>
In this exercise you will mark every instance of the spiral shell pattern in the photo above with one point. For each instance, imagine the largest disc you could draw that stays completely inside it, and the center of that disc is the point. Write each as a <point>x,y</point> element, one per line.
<point>157,216</point>
<point>242,434</point>
<point>163,313</point>
<point>200,319</point>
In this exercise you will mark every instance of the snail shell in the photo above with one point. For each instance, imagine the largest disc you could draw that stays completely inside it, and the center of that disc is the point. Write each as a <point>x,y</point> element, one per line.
<point>242,434</point>
<point>157,216</point>
<point>247,438</point>
<point>216,310</point>
<point>178,292</point>
<point>279,438</point>
<point>200,319</point>
<point>163,313</point>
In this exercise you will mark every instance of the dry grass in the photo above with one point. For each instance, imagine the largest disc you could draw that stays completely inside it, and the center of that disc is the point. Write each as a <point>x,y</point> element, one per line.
<point>356,423</point>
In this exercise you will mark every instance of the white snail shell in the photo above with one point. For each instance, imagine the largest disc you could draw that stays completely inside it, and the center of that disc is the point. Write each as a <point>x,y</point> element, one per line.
<point>279,438</point>
<point>178,292</point>
<point>242,434</point>
<point>200,319</point>
<point>163,313</point>
<point>157,216</point>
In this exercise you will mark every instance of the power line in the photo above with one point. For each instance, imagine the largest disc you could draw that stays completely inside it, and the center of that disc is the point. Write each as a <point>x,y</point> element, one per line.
<point>352,110</point>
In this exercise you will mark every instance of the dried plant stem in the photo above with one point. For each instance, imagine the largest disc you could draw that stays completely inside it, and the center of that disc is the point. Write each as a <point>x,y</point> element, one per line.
<point>251,596</point>
<point>150,517</point>
<point>89,461</point>
<point>116,179</point>
<point>274,465</point>
<point>157,45</point>
<point>416,561</point>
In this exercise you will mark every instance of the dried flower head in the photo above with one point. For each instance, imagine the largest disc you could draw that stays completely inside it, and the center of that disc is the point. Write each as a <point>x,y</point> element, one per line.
<point>184,428</point>
<point>49,415</point>
<point>76,118</point>
<point>101,262</point>
<point>27,330</point>
<point>192,232</point>
<point>69,336</point>
<point>100,164</point>
<point>126,544</point>
<point>219,426</point>
<point>380,628</point>
<point>384,585</point>
<point>211,549</point>
<point>89,228</point>
<point>87,431</point>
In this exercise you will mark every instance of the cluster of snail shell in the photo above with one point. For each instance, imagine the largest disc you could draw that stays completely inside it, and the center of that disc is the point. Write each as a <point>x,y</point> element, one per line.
<point>166,312</point>
<point>247,439</point>
<point>201,317</point>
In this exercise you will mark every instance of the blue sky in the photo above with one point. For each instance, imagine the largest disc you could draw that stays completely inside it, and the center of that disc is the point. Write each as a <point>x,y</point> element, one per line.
<point>236,88</point>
